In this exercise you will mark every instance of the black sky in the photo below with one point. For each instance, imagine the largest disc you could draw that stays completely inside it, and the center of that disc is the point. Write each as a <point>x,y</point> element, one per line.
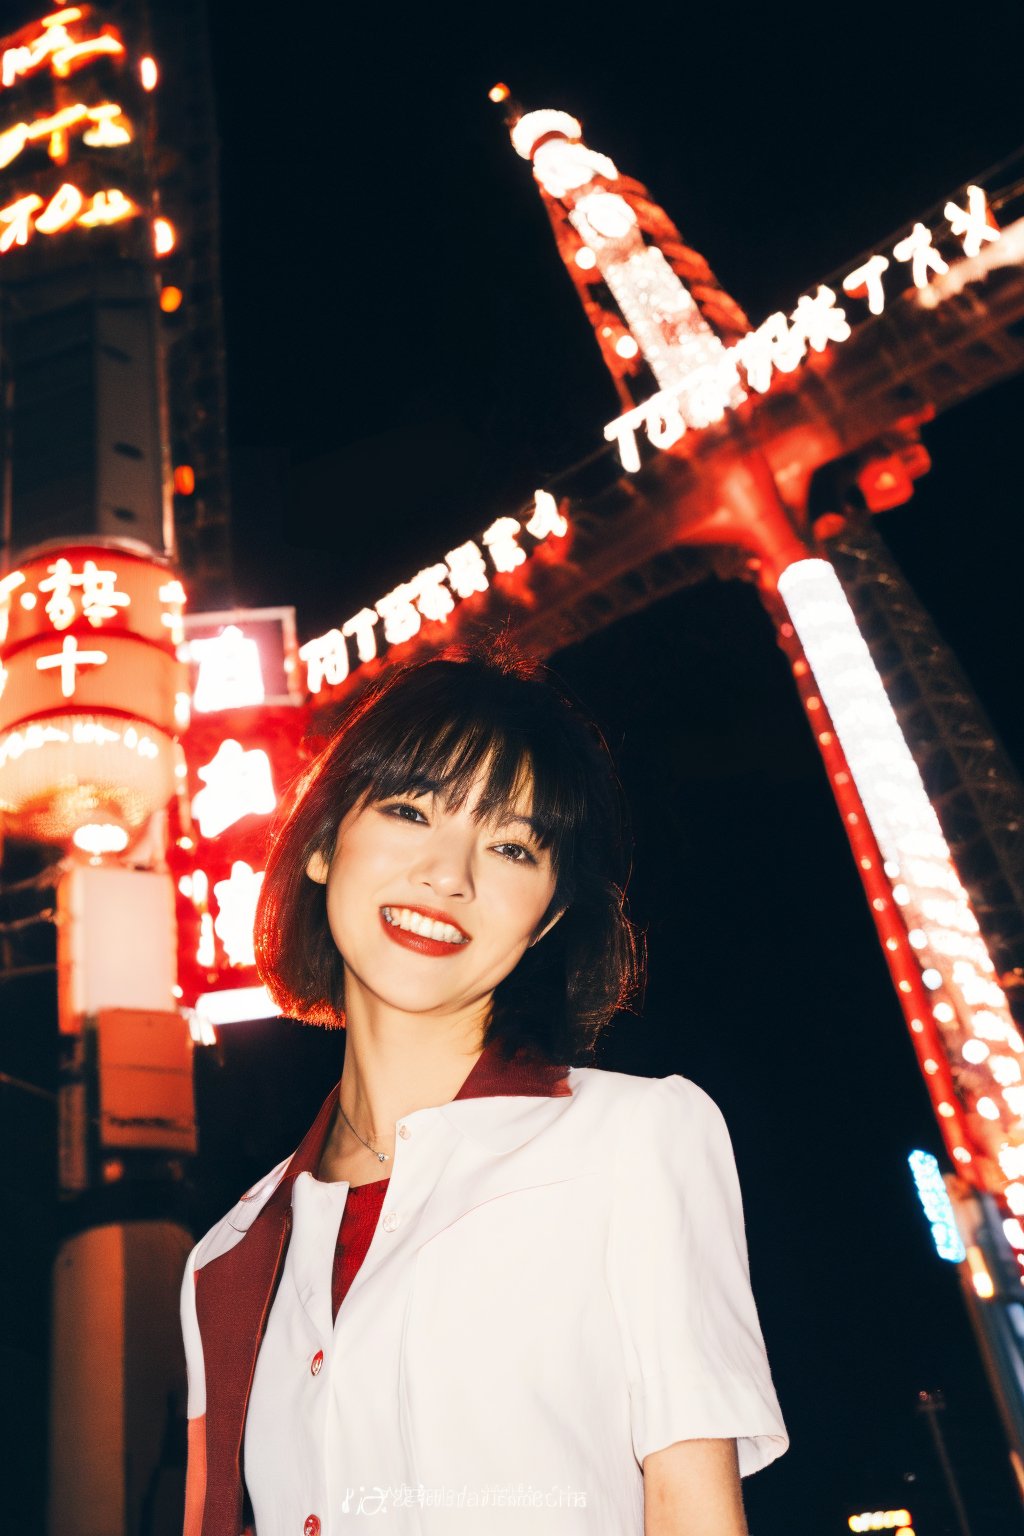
<point>407,358</point>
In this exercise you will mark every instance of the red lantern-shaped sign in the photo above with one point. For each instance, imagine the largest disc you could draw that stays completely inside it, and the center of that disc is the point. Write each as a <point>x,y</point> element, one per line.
<point>92,693</point>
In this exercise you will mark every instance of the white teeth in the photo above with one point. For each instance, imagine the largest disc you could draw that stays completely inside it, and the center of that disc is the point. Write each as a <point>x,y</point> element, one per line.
<point>416,922</point>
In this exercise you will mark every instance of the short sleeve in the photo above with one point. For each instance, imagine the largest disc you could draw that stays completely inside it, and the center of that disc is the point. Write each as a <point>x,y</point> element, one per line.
<point>679,1279</point>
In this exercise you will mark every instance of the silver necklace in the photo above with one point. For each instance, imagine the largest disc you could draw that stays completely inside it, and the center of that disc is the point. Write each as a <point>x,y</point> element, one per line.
<point>382,1157</point>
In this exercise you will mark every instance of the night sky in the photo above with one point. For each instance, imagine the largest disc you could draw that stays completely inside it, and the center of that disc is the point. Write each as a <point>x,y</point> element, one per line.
<point>407,359</point>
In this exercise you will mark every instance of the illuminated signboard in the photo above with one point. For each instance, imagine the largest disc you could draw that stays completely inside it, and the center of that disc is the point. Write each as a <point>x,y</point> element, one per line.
<point>242,748</point>
<point>91,693</point>
<point>781,343</point>
<point>431,594</point>
<point>62,45</point>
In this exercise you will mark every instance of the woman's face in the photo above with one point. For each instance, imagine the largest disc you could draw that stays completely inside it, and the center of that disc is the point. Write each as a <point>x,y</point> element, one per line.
<point>430,909</point>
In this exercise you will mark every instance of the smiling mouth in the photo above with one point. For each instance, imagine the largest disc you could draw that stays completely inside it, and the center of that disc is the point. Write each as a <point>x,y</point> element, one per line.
<point>406,920</point>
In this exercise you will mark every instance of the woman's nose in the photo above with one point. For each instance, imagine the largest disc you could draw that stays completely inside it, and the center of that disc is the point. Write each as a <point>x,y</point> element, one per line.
<point>447,865</point>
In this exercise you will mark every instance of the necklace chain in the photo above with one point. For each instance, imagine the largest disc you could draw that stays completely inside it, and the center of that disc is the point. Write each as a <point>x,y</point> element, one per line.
<point>382,1157</point>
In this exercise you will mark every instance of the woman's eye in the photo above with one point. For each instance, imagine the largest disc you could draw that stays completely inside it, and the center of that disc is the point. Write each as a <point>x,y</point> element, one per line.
<point>515,853</point>
<point>397,809</point>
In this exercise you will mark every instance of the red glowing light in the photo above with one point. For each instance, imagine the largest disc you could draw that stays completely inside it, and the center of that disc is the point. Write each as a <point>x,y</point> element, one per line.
<point>170,299</point>
<point>184,479</point>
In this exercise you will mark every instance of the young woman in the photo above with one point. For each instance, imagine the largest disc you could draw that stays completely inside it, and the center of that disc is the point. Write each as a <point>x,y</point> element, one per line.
<point>495,1289</point>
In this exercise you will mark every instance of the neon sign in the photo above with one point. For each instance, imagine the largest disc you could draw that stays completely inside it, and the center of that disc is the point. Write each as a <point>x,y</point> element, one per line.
<point>68,206</point>
<point>431,594</point>
<point>781,343</point>
<point>49,42</point>
<point>237,783</point>
<point>106,127</point>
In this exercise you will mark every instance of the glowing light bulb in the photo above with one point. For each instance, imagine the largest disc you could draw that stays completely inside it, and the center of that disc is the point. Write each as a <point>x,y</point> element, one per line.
<point>974,1051</point>
<point>987,1108</point>
<point>498,93</point>
<point>585,258</point>
<point>170,299</point>
<point>164,238</point>
<point>980,1277</point>
<point>931,978</point>
<point>148,73</point>
<point>626,346</point>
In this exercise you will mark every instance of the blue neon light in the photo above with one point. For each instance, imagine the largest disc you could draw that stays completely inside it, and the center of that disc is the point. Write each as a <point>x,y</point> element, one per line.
<point>937,1206</point>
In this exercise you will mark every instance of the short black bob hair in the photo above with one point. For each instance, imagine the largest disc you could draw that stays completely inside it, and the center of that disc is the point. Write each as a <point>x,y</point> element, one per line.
<point>431,726</point>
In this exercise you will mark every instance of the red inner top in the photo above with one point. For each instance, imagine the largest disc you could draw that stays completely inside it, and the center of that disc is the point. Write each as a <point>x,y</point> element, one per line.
<point>490,1076</point>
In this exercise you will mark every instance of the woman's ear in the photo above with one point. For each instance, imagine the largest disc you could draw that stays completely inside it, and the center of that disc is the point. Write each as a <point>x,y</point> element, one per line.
<point>317,868</point>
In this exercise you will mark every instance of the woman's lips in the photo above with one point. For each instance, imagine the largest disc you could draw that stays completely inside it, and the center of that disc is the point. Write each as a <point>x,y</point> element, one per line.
<point>417,941</point>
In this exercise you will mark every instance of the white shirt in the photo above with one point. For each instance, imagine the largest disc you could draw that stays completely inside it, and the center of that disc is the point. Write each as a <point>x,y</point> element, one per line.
<point>557,1287</point>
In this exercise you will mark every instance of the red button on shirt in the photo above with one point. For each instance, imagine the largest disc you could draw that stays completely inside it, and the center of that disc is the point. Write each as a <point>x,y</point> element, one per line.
<point>316,1362</point>
<point>312,1526</point>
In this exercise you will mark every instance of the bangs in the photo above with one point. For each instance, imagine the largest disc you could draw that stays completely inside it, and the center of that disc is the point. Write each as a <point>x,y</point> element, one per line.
<point>447,759</point>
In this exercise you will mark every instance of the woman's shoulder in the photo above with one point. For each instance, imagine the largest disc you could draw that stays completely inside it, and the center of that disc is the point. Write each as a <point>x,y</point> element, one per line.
<point>673,1092</point>
<point>646,1111</point>
<point>235,1223</point>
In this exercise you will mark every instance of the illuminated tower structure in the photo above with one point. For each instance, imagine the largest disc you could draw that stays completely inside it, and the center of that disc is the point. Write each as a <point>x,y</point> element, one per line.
<point>932,808</point>
<point>114,487</point>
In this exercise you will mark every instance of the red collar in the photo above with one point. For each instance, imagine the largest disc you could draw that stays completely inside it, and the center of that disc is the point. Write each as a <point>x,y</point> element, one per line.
<point>491,1076</point>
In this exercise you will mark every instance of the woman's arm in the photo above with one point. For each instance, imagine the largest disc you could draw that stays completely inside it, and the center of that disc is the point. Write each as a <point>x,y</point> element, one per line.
<point>692,1488</point>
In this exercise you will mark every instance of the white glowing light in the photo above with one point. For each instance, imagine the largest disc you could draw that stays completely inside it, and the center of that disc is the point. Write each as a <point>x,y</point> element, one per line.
<point>819,320</point>
<point>605,215</point>
<point>500,539</point>
<point>585,259</point>
<point>467,572</point>
<point>433,599</point>
<point>236,898</point>
<point>61,211</point>
<point>563,167</point>
<point>400,614</point>
<point>8,585</point>
<point>534,126</point>
<point>68,659</point>
<point>867,280</point>
<point>1014,1232</point>
<point>363,626</point>
<point>546,519</point>
<point>100,599</point>
<point>924,259</point>
<point>237,783</point>
<point>148,74</point>
<point>326,659</point>
<point>236,1005</point>
<point>164,237</point>
<point>101,837</point>
<point>230,674</point>
<point>1014,1194</point>
<point>972,1008</point>
<point>627,346</point>
<point>971,223</point>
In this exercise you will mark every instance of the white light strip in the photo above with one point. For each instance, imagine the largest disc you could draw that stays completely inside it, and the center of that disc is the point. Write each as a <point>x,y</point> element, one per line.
<point>236,1005</point>
<point>970,1008</point>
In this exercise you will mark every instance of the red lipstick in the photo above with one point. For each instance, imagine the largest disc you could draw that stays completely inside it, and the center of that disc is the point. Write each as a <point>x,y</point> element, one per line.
<point>418,941</point>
